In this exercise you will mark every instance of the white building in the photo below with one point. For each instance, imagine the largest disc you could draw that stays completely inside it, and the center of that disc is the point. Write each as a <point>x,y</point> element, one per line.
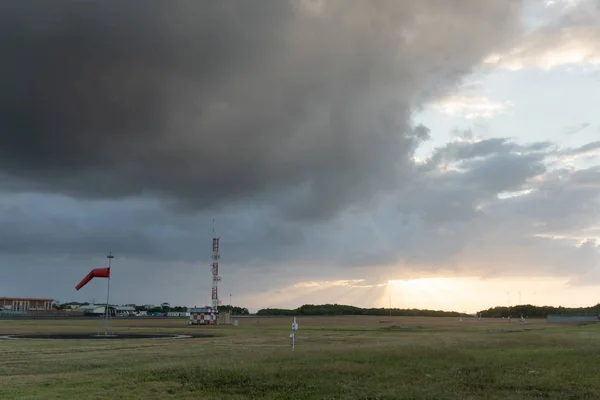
<point>93,309</point>
<point>124,311</point>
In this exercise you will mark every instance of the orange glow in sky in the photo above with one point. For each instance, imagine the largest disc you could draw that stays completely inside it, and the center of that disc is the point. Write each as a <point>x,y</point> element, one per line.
<point>464,294</point>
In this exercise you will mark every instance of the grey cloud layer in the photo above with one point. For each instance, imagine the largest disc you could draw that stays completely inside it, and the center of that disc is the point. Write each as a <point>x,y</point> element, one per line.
<point>531,233</point>
<point>207,103</point>
<point>431,221</point>
<point>449,221</point>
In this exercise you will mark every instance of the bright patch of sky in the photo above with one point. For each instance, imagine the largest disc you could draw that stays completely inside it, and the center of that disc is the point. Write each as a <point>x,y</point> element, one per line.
<point>531,103</point>
<point>467,294</point>
<point>528,105</point>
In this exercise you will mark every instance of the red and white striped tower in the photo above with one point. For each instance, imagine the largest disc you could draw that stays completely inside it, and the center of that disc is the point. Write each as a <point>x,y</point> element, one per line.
<point>215,273</point>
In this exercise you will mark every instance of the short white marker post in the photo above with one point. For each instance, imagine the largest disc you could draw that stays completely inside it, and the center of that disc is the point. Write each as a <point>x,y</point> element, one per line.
<point>293,334</point>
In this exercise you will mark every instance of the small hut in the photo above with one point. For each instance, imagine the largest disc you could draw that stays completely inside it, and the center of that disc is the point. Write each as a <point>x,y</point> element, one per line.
<point>202,316</point>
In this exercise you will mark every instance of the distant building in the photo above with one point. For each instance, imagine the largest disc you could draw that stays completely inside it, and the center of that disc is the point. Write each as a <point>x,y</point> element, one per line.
<point>92,309</point>
<point>119,311</point>
<point>178,314</point>
<point>25,304</point>
<point>124,311</point>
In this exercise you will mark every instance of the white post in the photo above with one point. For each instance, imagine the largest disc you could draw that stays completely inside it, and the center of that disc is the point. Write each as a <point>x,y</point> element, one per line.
<point>293,334</point>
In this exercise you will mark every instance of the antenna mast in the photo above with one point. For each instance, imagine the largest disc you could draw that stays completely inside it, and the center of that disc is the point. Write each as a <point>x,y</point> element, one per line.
<point>215,271</point>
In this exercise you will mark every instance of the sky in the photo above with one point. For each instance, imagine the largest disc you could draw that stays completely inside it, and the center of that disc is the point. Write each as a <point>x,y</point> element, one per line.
<point>418,154</point>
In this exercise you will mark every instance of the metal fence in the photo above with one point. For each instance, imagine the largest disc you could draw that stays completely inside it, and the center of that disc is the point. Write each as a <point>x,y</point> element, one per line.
<point>40,314</point>
<point>72,315</point>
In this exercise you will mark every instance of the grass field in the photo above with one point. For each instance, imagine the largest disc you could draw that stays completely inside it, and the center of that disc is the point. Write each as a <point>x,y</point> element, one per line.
<point>335,358</point>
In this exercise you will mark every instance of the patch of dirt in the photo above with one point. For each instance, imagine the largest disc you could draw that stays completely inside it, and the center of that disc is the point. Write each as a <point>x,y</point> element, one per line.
<point>398,328</point>
<point>509,330</point>
<point>87,336</point>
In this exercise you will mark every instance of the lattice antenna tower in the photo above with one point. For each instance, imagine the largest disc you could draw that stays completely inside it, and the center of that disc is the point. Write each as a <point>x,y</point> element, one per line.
<point>215,271</point>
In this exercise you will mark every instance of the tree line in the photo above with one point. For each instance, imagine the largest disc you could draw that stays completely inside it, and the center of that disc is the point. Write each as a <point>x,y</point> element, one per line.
<point>527,310</point>
<point>339,309</point>
<point>531,311</point>
<point>235,310</point>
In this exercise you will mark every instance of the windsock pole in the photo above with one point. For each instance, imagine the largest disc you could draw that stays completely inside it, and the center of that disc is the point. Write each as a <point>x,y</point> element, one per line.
<point>110,257</point>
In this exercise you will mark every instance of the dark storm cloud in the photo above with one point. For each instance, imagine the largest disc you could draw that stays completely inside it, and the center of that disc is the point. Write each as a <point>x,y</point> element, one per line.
<point>50,225</point>
<point>204,103</point>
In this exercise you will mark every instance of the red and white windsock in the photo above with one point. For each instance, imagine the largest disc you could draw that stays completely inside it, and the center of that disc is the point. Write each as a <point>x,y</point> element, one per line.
<point>95,273</point>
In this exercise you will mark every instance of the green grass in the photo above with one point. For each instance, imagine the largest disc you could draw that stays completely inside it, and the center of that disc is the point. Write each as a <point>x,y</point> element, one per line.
<point>335,358</point>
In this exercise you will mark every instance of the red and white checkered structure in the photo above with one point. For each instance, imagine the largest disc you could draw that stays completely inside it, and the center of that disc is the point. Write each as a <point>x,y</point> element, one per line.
<point>202,316</point>
<point>215,274</point>
<point>208,315</point>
